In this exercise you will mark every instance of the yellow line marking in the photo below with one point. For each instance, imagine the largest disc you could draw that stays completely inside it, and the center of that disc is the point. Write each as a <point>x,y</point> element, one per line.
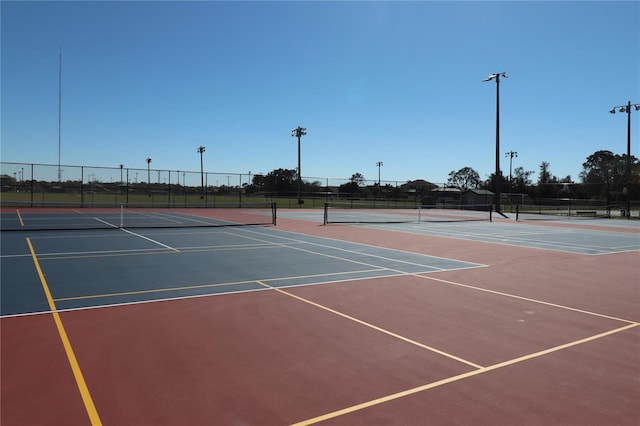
<point>374,327</point>
<point>20,217</point>
<point>462,376</point>
<point>224,284</point>
<point>154,290</point>
<point>75,367</point>
<point>142,252</point>
<point>73,256</point>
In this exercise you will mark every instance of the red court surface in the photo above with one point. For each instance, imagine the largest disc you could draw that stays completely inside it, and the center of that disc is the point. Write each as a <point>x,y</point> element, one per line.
<point>534,337</point>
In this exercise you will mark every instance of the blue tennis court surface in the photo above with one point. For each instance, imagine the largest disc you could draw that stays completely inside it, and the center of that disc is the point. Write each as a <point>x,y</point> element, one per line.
<point>573,240</point>
<point>105,267</point>
<point>574,235</point>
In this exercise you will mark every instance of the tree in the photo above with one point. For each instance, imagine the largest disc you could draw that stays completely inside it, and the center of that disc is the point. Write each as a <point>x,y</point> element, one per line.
<point>605,172</point>
<point>464,178</point>
<point>490,183</point>
<point>602,167</point>
<point>259,182</point>
<point>358,179</point>
<point>350,189</point>
<point>353,187</point>
<point>520,179</point>
<point>545,175</point>
<point>546,180</point>
<point>282,181</point>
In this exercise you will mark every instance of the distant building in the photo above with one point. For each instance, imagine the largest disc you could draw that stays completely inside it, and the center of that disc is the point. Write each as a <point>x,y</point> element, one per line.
<point>417,189</point>
<point>7,183</point>
<point>442,197</point>
<point>478,196</point>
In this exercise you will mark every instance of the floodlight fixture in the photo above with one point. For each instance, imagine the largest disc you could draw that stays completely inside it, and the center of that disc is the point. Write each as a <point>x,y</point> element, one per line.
<point>496,76</point>
<point>298,132</point>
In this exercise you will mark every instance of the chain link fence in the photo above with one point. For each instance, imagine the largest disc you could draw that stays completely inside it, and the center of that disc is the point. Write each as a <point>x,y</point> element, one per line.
<point>26,184</point>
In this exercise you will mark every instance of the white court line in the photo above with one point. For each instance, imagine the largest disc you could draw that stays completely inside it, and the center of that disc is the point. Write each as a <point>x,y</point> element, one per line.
<point>137,235</point>
<point>302,241</point>
<point>151,240</point>
<point>105,222</point>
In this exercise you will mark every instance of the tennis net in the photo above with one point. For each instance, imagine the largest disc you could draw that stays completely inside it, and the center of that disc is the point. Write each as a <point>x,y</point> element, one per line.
<point>568,211</point>
<point>35,219</point>
<point>358,212</point>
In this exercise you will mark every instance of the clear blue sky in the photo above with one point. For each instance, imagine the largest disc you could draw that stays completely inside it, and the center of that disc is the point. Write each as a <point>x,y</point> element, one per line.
<point>397,82</point>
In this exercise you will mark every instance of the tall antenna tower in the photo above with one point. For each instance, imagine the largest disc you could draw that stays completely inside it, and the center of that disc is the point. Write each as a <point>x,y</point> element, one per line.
<point>59,112</point>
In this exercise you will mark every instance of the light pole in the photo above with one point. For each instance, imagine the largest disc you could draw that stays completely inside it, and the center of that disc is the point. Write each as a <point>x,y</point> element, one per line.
<point>299,132</point>
<point>627,108</point>
<point>149,175</point>
<point>379,164</point>
<point>59,112</point>
<point>498,179</point>
<point>201,150</point>
<point>510,154</point>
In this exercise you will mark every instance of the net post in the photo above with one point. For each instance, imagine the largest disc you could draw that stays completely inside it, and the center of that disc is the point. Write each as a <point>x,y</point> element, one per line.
<point>273,213</point>
<point>326,214</point>
<point>491,213</point>
<point>121,216</point>
<point>419,212</point>
<point>517,212</point>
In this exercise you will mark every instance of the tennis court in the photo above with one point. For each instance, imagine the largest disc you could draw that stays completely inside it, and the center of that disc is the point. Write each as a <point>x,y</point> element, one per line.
<point>228,317</point>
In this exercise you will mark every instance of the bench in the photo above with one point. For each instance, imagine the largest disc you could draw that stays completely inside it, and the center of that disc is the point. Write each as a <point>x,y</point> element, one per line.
<point>586,213</point>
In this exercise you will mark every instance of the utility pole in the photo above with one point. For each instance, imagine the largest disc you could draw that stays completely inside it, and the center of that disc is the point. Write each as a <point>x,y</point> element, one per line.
<point>379,164</point>
<point>299,132</point>
<point>201,150</point>
<point>511,154</point>
<point>149,175</point>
